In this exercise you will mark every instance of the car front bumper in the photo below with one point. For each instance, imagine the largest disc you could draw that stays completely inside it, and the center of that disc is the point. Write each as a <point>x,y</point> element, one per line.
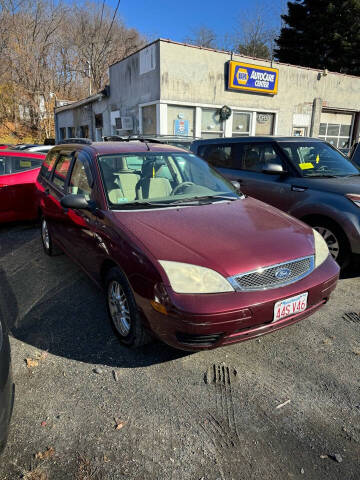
<point>197,322</point>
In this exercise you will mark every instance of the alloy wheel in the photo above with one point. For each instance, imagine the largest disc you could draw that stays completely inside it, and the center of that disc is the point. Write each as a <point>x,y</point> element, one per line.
<point>45,234</point>
<point>119,308</point>
<point>331,241</point>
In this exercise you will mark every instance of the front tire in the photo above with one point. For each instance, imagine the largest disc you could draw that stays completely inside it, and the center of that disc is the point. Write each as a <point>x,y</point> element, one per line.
<point>336,241</point>
<point>46,239</point>
<point>122,310</point>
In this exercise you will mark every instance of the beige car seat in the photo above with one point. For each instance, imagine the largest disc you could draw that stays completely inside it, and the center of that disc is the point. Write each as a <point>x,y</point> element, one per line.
<point>126,180</point>
<point>151,186</point>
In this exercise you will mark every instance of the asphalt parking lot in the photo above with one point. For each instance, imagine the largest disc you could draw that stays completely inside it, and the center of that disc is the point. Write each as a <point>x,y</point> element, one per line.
<point>283,406</point>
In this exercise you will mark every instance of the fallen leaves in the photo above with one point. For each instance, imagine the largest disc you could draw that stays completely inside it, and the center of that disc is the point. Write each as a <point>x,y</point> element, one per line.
<point>119,424</point>
<point>48,453</point>
<point>31,363</point>
<point>34,362</point>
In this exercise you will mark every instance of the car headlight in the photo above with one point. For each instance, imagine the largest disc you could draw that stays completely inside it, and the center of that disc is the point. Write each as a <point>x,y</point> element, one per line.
<point>321,249</point>
<point>187,278</point>
<point>354,198</point>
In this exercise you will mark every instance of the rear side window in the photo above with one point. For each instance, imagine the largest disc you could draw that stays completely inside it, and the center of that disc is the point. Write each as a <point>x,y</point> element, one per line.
<point>48,164</point>
<point>79,182</point>
<point>222,155</point>
<point>4,165</point>
<point>61,170</point>
<point>21,164</point>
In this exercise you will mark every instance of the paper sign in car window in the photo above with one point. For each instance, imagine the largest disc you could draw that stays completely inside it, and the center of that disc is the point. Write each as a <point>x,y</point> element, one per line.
<point>25,163</point>
<point>306,166</point>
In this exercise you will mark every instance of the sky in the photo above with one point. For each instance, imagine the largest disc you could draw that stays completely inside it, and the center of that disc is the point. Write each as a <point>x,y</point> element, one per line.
<point>176,19</point>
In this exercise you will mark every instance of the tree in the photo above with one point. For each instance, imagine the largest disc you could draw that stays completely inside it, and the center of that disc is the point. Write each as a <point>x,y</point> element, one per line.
<point>255,38</point>
<point>202,37</point>
<point>321,34</point>
<point>49,50</point>
<point>100,38</point>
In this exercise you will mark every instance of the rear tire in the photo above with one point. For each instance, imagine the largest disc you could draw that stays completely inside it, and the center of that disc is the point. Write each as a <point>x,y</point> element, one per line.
<point>46,239</point>
<point>336,240</point>
<point>122,310</point>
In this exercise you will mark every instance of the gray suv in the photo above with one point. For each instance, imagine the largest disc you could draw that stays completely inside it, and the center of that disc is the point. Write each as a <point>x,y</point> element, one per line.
<point>306,177</point>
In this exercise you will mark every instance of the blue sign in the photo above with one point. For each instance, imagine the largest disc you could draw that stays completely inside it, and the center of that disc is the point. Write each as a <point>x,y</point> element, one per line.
<point>181,127</point>
<point>253,78</point>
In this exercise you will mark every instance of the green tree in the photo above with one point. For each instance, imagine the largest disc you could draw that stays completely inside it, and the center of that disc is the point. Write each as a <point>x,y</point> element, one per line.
<point>321,34</point>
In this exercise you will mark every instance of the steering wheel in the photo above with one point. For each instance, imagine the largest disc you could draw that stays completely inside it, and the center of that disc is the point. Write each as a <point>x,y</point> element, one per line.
<point>322,168</point>
<point>181,186</point>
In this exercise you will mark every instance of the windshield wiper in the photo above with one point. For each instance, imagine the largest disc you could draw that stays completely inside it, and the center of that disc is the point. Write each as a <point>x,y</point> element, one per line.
<point>323,176</point>
<point>138,205</point>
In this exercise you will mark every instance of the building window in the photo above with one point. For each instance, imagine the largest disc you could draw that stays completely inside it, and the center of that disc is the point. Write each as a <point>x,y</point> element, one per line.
<point>62,133</point>
<point>264,123</point>
<point>98,120</point>
<point>241,124</point>
<point>336,128</point>
<point>181,120</point>
<point>84,131</point>
<point>211,125</point>
<point>148,114</point>
<point>71,132</point>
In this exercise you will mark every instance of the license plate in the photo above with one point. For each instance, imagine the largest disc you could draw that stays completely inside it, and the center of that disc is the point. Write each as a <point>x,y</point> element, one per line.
<point>290,306</point>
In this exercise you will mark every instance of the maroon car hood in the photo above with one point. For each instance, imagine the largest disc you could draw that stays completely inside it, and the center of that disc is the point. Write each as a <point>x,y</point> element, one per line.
<point>229,237</point>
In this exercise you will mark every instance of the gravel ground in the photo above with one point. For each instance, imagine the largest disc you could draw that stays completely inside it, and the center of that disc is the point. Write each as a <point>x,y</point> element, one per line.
<point>283,406</point>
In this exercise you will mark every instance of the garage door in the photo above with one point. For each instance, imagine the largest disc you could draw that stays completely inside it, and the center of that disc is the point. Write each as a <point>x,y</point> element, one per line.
<point>336,128</point>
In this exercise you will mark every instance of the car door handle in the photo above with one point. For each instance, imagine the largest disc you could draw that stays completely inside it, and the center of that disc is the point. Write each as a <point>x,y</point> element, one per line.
<point>296,188</point>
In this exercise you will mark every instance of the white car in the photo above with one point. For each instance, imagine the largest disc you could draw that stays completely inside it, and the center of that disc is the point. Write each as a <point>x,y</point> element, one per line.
<point>40,149</point>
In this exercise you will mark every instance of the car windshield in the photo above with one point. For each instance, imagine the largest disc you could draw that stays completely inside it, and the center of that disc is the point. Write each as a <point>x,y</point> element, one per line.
<point>318,159</point>
<point>162,179</point>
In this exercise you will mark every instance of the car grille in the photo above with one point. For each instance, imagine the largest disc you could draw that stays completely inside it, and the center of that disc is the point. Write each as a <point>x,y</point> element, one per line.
<point>274,276</point>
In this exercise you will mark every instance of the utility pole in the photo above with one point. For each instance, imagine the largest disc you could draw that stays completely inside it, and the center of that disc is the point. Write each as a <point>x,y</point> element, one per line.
<point>89,74</point>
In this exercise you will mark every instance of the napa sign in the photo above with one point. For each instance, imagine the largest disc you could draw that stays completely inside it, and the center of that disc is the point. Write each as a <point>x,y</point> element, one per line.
<point>253,78</point>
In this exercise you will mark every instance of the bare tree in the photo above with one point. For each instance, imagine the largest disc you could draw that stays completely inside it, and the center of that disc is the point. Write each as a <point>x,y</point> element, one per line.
<point>100,38</point>
<point>256,31</point>
<point>52,50</point>
<point>202,37</point>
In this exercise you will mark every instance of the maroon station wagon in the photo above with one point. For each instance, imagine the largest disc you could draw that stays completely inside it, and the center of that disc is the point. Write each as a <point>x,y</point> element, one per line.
<point>181,253</point>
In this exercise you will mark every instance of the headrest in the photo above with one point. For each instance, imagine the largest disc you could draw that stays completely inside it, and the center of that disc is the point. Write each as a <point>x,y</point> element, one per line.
<point>150,167</point>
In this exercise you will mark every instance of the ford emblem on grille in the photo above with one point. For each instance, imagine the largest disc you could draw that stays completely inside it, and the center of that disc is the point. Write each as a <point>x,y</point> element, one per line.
<point>282,273</point>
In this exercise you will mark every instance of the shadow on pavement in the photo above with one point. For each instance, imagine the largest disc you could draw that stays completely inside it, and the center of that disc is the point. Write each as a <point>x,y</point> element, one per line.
<point>69,319</point>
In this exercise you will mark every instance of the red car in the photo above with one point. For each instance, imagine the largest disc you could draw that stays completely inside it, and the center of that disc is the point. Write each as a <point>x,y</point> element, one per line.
<point>18,193</point>
<point>179,251</point>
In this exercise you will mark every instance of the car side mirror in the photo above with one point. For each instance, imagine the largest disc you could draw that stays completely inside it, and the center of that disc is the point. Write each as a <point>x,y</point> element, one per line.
<point>274,169</point>
<point>76,202</point>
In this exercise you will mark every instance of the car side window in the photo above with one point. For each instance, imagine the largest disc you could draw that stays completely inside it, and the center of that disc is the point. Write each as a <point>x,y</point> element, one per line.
<point>79,183</point>
<point>257,155</point>
<point>4,165</point>
<point>61,170</point>
<point>21,164</point>
<point>221,155</point>
<point>48,164</point>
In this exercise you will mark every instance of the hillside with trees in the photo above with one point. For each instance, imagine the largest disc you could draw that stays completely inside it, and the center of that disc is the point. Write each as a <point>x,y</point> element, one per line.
<point>50,52</point>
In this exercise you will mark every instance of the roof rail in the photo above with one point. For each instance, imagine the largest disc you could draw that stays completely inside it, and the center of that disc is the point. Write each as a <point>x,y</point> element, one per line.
<point>84,141</point>
<point>131,138</point>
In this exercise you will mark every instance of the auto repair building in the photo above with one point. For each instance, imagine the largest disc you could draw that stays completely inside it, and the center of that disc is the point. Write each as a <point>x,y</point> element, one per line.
<point>172,88</point>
